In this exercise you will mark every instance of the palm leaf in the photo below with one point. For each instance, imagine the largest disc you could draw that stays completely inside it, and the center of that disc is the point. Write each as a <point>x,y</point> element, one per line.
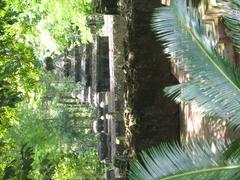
<point>232,152</point>
<point>232,21</point>
<point>170,161</point>
<point>214,83</point>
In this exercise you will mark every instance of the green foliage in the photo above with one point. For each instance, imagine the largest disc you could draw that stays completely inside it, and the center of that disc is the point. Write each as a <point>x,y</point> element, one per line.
<point>27,160</point>
<point>47,168</point>
<point>52,26</point>
<point>44,134</point>
<point>59,136</point>
<point>19,70</point>
<point>8,97</point>
<point>232,21</point>
<point>232,153</point>
<point>194,161</point>
<point>20,168</point>
<point>9,171</point>
<point>213,83</point>
<point>88,166</point>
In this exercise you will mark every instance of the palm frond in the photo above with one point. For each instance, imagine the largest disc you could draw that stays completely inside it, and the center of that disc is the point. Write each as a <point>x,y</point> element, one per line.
<point>232,152</point>
<point>170,161</point>
<point>232,21</point>
<point>214,83</point>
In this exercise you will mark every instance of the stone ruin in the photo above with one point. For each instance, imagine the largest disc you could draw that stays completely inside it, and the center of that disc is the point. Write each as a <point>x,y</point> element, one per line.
<point>107,6</point>
<point>103,149</point>
<point>100,127</point>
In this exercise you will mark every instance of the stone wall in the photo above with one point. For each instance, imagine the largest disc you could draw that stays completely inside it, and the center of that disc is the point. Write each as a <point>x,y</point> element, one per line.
<point>157,117</point>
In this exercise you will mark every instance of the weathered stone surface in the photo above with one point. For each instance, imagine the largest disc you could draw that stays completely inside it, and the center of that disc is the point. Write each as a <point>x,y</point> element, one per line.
<point>120,161</point>
<point>120,128</point>
<point>107,6</point>
<point>119,149</point>
<point>110,174</point>
<point>98,126</point>
<point>103,76</point>
<point>157,117</point>
<point>102,146</point>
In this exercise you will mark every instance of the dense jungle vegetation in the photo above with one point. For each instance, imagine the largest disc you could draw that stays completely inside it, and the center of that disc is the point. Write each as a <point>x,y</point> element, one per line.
<point>45,133</point>
<point>42,136</point>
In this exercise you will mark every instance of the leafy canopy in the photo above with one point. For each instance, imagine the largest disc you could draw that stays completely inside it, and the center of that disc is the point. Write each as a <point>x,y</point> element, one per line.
<point>52,26</point>
<point>40,137</point>
<point>194,161</point>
